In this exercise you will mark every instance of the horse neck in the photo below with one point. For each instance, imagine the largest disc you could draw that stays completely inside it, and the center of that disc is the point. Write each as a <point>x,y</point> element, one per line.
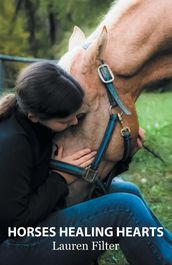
<point>139,48</point>
<point>150,75</point>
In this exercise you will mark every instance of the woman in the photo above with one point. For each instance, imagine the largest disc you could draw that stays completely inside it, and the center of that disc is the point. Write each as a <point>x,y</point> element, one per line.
<point>47,100</point>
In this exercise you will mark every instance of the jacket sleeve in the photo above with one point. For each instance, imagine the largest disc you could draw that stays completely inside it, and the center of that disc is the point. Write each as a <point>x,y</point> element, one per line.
<point>19,205</point>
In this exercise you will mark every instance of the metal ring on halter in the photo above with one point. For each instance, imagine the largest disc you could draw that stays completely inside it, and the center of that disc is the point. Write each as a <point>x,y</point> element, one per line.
<point>110,110</point>
<point>125,130</point>
<point>120,116</point>
<point>111,113</point>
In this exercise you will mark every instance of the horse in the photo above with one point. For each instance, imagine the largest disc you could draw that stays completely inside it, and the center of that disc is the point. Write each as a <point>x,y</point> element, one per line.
<point>135,40</point>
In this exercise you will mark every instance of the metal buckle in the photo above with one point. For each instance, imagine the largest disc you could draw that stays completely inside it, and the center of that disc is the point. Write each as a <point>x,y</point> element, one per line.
<point>101,75</point>
<point>124,130</point>
<point>91,175</point>
<point>120,116</point>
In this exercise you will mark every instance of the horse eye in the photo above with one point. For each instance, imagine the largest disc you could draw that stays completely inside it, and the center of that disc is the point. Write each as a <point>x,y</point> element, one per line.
<point>80,116</point>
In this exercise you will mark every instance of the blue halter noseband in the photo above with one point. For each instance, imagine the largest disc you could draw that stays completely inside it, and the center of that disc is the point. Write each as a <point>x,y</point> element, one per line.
<point>90,174</point>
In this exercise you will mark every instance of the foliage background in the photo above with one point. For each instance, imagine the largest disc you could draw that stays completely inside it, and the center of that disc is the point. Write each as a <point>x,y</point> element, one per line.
<point>40,27</point>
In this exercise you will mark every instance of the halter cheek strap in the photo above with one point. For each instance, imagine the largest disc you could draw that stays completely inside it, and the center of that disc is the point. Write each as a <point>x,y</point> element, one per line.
<point>107,78</point>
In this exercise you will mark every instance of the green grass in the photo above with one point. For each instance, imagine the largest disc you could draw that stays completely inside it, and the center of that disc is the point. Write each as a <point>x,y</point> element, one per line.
<point>152,176</point>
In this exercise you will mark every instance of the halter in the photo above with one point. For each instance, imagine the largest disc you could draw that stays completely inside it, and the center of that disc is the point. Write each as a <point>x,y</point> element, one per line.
<point>90,174</point>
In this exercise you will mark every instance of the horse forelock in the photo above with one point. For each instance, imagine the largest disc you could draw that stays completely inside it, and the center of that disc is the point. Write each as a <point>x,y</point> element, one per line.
<point>66,60</point>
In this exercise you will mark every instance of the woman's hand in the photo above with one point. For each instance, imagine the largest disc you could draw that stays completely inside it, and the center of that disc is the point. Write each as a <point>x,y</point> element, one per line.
<point>141,137</point>
<point>140,140</point>
<point>82,158</point>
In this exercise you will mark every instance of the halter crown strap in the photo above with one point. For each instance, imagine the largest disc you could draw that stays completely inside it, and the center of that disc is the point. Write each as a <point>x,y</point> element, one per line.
<point>107,78</point>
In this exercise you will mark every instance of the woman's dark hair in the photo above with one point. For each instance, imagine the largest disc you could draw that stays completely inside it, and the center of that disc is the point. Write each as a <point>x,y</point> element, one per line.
<point>46,90</point>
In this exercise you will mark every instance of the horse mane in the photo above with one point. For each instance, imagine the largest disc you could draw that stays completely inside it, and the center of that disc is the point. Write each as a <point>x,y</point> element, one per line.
<point>118,8</point>
<point>116,11</point>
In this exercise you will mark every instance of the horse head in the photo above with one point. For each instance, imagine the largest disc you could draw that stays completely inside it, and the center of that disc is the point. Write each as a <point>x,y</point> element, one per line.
<point>94,114</point>
<point>137,47</point>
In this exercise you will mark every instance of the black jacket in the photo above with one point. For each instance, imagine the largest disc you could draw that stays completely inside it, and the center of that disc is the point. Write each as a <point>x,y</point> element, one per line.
<point>28,190</point>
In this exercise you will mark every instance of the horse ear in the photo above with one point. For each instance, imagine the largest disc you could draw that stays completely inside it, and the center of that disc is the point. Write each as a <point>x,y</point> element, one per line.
<point>96,49</point>
<point>77,38</point>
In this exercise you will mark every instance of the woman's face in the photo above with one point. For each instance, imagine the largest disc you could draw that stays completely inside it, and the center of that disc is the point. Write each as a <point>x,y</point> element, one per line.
<point>60,124</point>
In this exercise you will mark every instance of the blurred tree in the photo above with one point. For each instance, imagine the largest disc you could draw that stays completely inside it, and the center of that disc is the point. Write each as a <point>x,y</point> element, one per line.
<point>14,40</point>
<point>84,13</point>
<point>49,22</point>
<point>41,28</point>
<point>33,24</point>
